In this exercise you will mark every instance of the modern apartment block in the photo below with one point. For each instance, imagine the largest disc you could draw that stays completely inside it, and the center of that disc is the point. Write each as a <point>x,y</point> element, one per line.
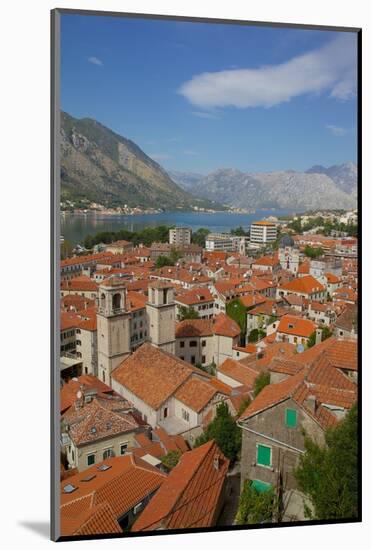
<point>225,242</point>
<point>263,232</point>
<point>180,235</point>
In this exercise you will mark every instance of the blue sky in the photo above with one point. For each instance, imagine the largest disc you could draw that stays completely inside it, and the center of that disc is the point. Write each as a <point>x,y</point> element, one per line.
<point>200,96</point>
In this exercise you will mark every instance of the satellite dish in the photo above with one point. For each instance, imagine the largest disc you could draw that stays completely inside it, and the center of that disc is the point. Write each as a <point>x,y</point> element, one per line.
<point>300,348</point>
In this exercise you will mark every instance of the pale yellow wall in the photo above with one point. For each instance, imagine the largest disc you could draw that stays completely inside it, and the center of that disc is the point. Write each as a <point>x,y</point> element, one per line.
<point>97,448</point>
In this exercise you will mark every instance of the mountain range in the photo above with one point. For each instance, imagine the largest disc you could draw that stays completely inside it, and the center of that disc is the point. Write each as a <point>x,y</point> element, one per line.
<point>99,165</point>
<point>318,187</point>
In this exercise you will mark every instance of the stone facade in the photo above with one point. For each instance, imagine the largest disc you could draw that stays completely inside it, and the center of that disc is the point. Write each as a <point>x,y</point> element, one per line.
<point>269,429</point>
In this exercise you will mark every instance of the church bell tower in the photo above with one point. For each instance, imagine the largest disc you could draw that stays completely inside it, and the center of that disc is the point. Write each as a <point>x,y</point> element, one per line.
<point>113,327</point>
<point>161,315</point>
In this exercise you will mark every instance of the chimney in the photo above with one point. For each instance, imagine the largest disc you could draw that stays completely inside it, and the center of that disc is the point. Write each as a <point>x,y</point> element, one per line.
<point>310,402</point>
<point>79,401</point>
<point>318,336</point>
<point>216,462</point>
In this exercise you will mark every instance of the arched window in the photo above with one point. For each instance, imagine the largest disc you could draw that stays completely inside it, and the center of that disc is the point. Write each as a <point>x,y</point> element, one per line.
<point>103,301</point>
<point>116,301</point>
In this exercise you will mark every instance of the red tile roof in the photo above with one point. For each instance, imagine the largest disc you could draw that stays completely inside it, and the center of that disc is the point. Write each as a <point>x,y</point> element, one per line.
<point>273,394</point>
<point>126,483</point>
<point>289,324</point>
<point>153,375</point>
<point>238,372</point>
<point>194,296</point>
<point>194,328</point>
<point>225,326</point>
<point>86,382</point>
<point>196,394</point>
<point>190,495</point>
<point>304,285</point>
<point>94,422</point>
<point>82,283</point>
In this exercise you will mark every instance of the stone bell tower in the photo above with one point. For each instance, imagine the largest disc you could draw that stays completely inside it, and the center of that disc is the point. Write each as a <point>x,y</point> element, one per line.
<point>161,315</point>
<point>113,327</point>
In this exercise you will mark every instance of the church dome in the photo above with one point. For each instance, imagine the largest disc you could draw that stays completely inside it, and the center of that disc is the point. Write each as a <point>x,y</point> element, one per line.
<point>287,240</point>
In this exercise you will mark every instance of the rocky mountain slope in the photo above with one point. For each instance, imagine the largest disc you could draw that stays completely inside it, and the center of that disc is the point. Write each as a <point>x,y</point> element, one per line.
<point>286,189</point>
<point>344,175</point>
<point>105,167</point>
<point>187,180</point>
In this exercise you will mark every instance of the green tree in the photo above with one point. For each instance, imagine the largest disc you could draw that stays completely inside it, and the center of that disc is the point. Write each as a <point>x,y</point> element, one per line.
<point>256,507</point>
<point>171,459</point>
<point>224,431</point>
<point>199,236</point>
<point>237,311</point>
<point>313,252</point>
<point>261,381</point>
<point>66,249</point>
<point>329,475</point>
<point>243,406</point>
<point>163,261</point>
<point>239,232</point>
<point>187,313</point>
<point>256,334</point>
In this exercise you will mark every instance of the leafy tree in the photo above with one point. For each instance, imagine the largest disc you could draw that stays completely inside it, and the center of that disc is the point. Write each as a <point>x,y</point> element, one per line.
<point>171,459</point>
<point>256,334</point>
<point>175,255</point>
<point>243,406</point>
<point>224,431</point>
<point>329,475</point>
<point>66,249</point>
<point>199,236</point>
<point>313,252</point>
<point>295,225</point>
<point>261,381</point>
<point>187,313</point>
<point>163,261</point>
<point>239,232</point>
<point>237,311</point>
<point>256,507</point>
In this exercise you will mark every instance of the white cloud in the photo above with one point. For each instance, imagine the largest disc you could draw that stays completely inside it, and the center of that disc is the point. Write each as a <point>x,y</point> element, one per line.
<point>189,152</point>
<point>95,61</point>
<point>159,156</point>
<point>204,114</point>
<point>337,131</point>
<point>331,68</point>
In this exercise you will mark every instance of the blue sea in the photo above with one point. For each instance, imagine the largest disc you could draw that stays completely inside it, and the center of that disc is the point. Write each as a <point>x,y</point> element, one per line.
<point>75,227</point>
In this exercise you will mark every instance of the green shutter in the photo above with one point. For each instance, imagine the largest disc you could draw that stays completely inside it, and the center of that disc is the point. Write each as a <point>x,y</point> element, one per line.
<point>264,455</point>
<point>291,418</point>
<point>260,486</point>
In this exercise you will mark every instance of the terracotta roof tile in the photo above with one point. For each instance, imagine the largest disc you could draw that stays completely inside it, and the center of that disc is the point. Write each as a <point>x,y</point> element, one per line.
<point>194,327</point>
<point>94,421</point>
<point>196,394</point>
<point>225,326</point>
<point>304,285</point>
<point>126,483</point>
<point>239,372</point>
<point>190,495</point>
<point>153,375</point>
<point>273,394</point>
<point>297,326</point>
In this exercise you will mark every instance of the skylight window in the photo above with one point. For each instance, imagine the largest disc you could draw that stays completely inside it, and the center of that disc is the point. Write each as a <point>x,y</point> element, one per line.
<point>88,478</point>
<point>104,467</point>
<point>69,488</point>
